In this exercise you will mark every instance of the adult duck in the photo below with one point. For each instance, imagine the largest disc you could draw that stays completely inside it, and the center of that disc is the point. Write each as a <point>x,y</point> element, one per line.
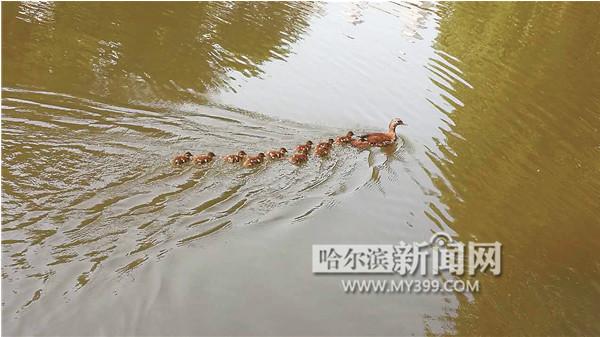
<point>379,138</point>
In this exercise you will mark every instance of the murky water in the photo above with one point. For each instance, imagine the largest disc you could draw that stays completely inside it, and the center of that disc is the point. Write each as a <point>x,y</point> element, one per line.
<point>100,235</point>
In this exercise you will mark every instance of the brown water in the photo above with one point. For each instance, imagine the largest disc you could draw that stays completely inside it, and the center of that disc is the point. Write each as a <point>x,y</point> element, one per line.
<point>101,236</point>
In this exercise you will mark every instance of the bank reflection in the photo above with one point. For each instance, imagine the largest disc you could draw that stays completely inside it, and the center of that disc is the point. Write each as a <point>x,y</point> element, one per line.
<point>519,161</point>
<point>131,51</point>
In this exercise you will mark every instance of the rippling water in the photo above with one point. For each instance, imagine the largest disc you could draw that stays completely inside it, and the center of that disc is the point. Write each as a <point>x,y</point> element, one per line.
<point>100,235</point>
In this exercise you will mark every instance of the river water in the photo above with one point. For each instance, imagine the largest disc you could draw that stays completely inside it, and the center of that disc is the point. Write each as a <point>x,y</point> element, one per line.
<point>101,236</point>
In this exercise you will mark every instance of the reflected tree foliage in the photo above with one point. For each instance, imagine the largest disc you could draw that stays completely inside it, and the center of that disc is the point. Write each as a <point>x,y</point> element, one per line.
<point>130,50</point>
<point>519,163</point>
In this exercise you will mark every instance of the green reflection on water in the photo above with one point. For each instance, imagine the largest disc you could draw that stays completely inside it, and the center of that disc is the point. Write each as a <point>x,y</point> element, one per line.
<point>129,50</point>
<point>526,166</point>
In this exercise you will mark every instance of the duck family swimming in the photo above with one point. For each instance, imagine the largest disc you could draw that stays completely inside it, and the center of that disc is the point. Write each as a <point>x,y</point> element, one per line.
<point>323,149</point>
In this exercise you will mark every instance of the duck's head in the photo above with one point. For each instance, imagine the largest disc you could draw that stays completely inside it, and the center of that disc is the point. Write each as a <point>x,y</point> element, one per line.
<point>396,122</point>
<point>210,154</point>
<point>309,143</point>
<point>330,141</point>
<point>188,154</point>
<point>261,155</point>
<point>242,154</point>
<point>350,134</point>
<point>283,150</point>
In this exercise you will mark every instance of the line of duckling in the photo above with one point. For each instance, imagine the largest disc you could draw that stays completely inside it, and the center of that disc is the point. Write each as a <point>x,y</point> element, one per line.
<point>375,139</point>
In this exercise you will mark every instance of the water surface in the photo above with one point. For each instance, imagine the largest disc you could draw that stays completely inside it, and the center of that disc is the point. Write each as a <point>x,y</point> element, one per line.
<point>101,236</point>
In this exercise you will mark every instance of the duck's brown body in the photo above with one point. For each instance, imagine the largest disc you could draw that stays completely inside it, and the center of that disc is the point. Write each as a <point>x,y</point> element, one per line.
<point>378,138</point>
<point>344,139</point>
<point>277,154</point>
<point>299,158</point>
<point>182,159</point>
<point>360,144</point>
<point>235,158</point>
<point>203,158</point>
<point>255,160</point>
<point>305,148</point>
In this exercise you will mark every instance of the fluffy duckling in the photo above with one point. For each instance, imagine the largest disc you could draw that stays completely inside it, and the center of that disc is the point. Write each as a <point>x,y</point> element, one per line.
<point>326,145</point>
<point>304,148</point>
<point>277,154</point>
<point>182,158</point>
<point>344,139</point>
<point>379,138</point>
<point>203,158</point>
<point>299,158</point>
<point>235,158</point>
<point>253,161</point>
<point>322,151</point>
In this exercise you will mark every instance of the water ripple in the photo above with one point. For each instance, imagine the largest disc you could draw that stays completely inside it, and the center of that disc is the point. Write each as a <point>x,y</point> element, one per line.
<point>109,194</point>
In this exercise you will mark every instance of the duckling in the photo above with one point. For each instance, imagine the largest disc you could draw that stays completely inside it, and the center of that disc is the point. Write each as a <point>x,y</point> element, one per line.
<point>253,161</point>
<point>235,158</point>
<point>203,159</point>
<point>304,148</point>
<point>327,145</point>
<point>277,154</point>
<point>344,139</point>
<point>379,138</point>
<point>322,151</point>
<point>298,158</point>
<point>182,158</point>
